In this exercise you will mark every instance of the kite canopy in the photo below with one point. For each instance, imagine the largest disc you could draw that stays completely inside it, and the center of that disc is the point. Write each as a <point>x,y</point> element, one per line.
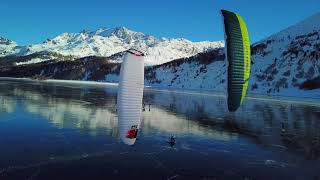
<point>130,92</point>
<point>238,56</point>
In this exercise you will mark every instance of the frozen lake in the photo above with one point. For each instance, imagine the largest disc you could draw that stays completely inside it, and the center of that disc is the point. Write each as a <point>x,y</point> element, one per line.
<point>69,131</point>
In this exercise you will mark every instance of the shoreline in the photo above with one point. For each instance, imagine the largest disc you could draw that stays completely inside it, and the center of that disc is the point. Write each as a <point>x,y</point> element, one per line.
<point>60,81</point>
<point>314,101</point>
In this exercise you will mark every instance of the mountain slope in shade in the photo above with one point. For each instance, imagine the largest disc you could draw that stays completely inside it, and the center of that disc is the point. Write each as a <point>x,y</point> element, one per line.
<point>284,61</point>
<point>106,42</point>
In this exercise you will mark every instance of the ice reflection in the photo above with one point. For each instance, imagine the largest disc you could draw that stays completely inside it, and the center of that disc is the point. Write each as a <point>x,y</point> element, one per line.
<point>273,124</point>
<point>7,104</point>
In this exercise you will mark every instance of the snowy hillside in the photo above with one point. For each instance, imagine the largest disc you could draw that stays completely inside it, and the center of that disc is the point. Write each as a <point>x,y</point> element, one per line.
<point>203,71</point>
<point>284,61</point>
<point>106,42</point>
<point>37,57</point>
<point>282,64</point>
<point>308,25</point>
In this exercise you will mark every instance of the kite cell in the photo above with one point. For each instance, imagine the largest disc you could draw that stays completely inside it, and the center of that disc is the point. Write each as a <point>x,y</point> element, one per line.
<point>130,93</point>
<point>238,57</point>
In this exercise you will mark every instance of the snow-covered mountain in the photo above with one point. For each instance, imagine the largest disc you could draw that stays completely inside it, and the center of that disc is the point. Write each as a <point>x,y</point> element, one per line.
<point>106,42</point>
<point>7,47</point>
<point>286,63</point>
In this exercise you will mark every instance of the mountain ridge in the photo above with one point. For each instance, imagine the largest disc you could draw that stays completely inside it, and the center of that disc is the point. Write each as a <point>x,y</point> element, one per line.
<point>285,64</point>
<point>109,41</point>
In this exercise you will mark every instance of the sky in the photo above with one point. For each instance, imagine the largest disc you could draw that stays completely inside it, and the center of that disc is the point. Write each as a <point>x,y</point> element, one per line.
<point>33,21</point>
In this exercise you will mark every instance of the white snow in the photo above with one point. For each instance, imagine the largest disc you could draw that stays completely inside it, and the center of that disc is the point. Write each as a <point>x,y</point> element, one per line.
<point>7,47</point>
<point>33,61</point>
<point>62,81</point>
<point>106,42</point>
<point>80,82</point>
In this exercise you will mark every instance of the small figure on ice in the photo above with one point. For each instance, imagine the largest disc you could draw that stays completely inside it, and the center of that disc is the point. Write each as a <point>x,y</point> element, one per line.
<point>172,141</point>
